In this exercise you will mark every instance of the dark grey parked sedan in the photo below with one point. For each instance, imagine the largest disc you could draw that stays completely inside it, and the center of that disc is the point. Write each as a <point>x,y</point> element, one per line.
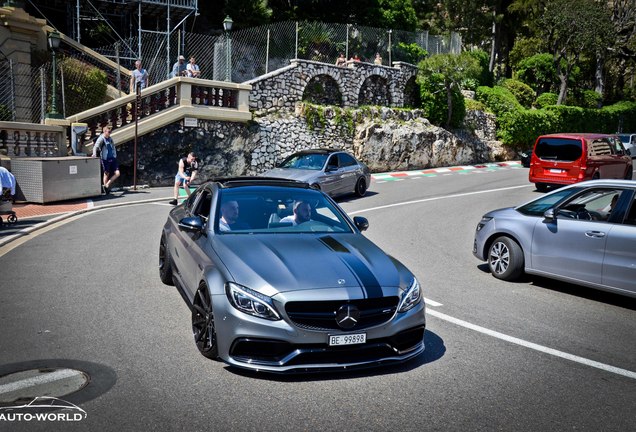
<point>333,171</point>
<point>584,233</point>
<point>278,278</point>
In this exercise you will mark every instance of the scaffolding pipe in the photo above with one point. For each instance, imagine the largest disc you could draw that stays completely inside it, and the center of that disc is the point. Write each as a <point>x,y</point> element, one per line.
<point>78,21</point>
<point>267,54</point>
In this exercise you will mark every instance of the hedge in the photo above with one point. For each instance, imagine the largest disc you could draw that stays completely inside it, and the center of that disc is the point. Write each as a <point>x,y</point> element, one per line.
<point>522,91</point>
<point>519,128</point>
<point>498,99</point>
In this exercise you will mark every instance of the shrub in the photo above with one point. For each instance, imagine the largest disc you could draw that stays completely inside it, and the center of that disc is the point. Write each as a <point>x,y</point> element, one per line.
<point>519,129</point>
<point>522,91</point>
<point>410,53</point>
<point>5,114</point>
<point>546,99</point>
<point>473,105</point>
<point>435,105</point>
<point>485,78</point>
<point>538,72</point>
<point>589,99</point>
<point>85,86</point>
<point>498,99</point>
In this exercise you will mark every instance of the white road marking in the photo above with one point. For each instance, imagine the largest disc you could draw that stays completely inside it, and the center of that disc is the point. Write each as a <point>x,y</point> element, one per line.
<point>534,346</point>
<point>39,380</point>
<point>430,302</point>
<point>438,198</point>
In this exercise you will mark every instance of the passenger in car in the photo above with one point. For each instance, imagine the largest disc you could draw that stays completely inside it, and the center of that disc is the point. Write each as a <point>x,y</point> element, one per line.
<point>302,213</point>
<point>229,217</point>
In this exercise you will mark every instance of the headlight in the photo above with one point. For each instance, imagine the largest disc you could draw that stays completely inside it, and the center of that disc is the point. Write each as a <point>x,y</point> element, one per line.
<point>412,297</point>
<point>484,220</point>
<point>251,302</point>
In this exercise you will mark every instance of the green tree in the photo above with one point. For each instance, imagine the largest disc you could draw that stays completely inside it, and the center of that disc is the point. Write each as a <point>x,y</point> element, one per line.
<point>398,14</point>
<point>572,28</point>
<point>453,69</point>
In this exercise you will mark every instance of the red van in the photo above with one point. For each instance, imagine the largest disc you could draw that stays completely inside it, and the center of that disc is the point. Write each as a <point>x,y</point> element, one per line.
<point>562,159</point>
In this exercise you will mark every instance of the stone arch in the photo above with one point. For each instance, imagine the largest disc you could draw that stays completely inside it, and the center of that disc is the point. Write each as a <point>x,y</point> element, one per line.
<point>412,98</point>
<point>375,91</point>
<point>323,89</point>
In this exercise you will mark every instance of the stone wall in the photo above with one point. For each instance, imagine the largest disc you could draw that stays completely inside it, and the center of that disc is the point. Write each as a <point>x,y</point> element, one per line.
<point>384,138</point>
<point>285,87</point>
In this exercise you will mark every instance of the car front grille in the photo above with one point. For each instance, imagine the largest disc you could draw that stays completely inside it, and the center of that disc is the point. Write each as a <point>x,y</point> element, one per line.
<point>283,354</point>
<point>321,315</point>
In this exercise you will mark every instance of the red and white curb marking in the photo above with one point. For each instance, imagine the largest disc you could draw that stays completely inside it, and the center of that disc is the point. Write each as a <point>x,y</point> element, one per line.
<point>434,172</point>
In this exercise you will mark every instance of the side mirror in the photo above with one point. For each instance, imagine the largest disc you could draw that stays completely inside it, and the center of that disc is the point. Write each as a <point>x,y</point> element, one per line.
<point>361,223</point>
<point>331,168</point>
<point>549,214</point>
<point>192,223</point>
<point>628,152</point>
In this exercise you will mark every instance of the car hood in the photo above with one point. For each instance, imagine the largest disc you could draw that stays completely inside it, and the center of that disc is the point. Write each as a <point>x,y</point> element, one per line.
<point>303,175</point>
<point>281,263</point>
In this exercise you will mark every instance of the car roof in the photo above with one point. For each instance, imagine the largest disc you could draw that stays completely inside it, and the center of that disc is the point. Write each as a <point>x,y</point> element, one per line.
<point>582,135</point>
<point>605,182</point>
<point>318,151</point>
<point>232,182</point>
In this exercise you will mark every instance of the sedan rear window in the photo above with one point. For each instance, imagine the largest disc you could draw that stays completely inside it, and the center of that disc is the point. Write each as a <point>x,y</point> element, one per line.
<point>561,149</point>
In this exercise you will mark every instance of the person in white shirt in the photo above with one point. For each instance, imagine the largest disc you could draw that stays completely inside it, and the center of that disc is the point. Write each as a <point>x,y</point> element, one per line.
<point>302,213</point>
<point>193,69</point>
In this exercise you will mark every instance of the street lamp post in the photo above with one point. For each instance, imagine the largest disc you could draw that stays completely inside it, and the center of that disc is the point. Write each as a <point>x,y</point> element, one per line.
<point>54,44</point>
<point>390,32</point>
<point>227,26</point>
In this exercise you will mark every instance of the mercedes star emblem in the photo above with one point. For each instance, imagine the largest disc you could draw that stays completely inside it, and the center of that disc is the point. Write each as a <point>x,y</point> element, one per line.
<point>347,316</point>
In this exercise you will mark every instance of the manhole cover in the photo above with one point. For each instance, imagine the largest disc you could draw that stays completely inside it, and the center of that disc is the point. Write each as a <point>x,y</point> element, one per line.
<point>29,384</point>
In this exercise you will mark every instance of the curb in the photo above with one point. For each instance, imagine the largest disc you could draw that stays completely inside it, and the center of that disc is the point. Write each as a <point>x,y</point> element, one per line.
<point>6,240</point>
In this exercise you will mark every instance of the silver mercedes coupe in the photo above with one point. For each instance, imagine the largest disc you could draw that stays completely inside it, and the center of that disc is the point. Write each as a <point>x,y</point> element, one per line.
<point>278,278</point>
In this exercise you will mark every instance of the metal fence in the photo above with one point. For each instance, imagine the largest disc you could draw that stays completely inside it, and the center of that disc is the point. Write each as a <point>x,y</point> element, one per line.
<point>25,92</point>
<point>259,50</point>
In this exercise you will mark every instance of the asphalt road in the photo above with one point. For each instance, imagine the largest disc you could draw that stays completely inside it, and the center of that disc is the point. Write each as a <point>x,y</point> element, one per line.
<point>526,356</point>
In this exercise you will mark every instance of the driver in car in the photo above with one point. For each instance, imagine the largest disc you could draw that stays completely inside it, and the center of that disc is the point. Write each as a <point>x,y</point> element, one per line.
<point>302,213</point>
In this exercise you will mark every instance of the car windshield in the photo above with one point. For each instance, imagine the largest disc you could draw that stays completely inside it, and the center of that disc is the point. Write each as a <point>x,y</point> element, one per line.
<point>309,161</point>
<point>561,149</point>
<point>625,138</point>
<point>277,210</point>
<point>540,205</point>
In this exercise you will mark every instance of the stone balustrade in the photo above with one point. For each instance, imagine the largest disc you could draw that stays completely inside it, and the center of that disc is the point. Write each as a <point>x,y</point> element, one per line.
<point>31,140</point>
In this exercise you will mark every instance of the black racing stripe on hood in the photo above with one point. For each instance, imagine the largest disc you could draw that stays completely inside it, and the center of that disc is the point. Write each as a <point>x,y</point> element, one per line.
<point>365,276</point>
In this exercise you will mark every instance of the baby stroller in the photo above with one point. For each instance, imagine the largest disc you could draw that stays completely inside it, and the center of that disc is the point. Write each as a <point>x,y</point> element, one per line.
<point>6,207</point>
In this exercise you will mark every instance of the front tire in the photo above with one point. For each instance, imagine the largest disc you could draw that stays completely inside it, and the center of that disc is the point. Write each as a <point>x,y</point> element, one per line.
<point>165,263</point>
<point>203,324</point>
<point>505,259</point>
<point>361,187</point>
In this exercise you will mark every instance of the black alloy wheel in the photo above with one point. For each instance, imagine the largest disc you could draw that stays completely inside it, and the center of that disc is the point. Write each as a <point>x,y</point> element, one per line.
<point>361,187</point>
<point>203,324</point>
<point>165,263</point>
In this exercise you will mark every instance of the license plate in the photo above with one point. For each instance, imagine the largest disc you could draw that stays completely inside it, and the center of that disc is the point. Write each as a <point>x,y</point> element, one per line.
<point>556,171</point>
<point>348,339</point>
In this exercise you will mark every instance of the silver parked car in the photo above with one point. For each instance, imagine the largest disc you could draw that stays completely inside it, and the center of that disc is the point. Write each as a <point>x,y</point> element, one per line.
<point>335,172</point>
<point>278,278</point>
<point>629,142</point>
<point>584,233</point>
